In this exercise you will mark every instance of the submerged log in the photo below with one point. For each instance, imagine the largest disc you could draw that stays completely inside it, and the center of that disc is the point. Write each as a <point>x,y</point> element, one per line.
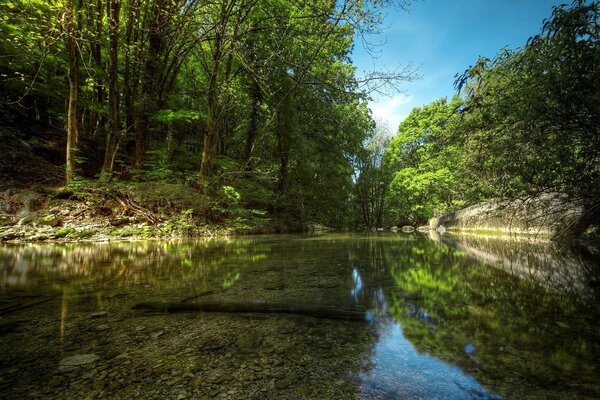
<point>345,314</point>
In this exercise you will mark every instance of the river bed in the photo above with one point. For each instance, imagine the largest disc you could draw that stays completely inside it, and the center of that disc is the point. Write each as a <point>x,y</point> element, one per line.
<point>446,318</point>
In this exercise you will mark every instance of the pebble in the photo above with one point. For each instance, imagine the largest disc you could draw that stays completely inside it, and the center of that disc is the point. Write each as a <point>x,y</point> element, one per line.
<point>101,328</point>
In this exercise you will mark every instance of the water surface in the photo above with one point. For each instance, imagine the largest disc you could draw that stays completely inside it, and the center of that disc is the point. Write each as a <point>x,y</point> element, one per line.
<point>448,318</point>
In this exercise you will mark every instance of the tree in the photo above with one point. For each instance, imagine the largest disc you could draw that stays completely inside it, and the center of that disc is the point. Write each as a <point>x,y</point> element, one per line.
<point>71,30</point>
<point>542,100</point>
<point>425,165</point>
<point>371,180</point>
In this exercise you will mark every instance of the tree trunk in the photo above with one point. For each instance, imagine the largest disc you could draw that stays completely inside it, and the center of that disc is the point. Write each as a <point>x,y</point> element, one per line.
<point>113,135</point>
<point>72,122</point>
<point>252,125</point>
<point>213,123</point>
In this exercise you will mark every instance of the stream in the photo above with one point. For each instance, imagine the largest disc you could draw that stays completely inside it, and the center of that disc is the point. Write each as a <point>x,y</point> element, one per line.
<point>446,317</point>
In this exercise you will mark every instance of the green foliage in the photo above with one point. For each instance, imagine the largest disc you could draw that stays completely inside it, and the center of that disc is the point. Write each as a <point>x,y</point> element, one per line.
<point>182,115</point>
<point>262,93</point>
<point>425,165</point>
<point>542,103</point>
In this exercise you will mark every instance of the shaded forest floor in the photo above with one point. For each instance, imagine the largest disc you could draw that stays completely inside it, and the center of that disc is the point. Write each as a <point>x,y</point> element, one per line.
<point>88,210</point>
<point>36,206</point>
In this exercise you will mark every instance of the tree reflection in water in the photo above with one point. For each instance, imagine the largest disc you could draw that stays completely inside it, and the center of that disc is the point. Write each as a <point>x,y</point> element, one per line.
<point>455,318</point>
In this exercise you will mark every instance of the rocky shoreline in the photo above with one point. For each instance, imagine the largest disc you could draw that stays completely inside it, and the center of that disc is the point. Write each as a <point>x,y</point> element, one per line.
<point>63,215</point>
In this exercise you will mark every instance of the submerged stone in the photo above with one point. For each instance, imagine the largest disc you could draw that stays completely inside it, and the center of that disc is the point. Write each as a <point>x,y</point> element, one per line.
<point>79,359</point>
<point>98,314</point>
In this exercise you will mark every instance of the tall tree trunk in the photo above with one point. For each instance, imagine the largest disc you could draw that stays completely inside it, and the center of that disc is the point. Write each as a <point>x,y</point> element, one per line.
<point>252,125</point>
<point>113,135</point>
<point>283,153</point>
<point>129,83</point>
<point>213,123</point>
<point>72,122</point>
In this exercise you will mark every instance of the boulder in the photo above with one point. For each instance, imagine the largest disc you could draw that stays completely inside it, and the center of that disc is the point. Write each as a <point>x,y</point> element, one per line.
<point>548,215</point>
<point>408,229</point>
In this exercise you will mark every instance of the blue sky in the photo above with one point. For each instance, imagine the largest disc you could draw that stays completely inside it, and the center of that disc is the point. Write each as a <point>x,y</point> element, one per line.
<point>443,37</point>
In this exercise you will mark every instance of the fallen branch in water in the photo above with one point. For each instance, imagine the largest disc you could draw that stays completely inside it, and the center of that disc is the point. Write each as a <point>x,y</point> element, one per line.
<point>196,296</point>
<point>345,314</point>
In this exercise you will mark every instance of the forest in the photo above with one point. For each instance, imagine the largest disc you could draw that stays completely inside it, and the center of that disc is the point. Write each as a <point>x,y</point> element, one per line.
<point>251,111</point>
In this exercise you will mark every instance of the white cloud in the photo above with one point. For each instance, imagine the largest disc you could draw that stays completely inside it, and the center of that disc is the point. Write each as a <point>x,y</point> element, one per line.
<point>390,111</point>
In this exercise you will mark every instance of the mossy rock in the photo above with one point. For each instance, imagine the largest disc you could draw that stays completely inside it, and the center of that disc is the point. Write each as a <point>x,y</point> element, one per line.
<point>31,219</point>
<point>85,233</point>
<point>50,220</point>
<point>61,233</point>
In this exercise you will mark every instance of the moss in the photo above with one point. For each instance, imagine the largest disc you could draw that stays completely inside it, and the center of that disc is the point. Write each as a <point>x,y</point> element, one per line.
<point>50,220</point>
<point>61,233</point>
<point>85,233</point>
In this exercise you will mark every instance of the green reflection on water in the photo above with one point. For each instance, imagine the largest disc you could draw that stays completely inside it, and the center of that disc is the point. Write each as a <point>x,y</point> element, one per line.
<point>520,317</point>
<point>520,337</point>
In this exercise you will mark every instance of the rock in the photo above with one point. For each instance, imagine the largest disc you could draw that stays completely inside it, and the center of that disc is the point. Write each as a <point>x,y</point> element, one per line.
<point>316,227</point>
<point>282,383</point>
<point>197,382</point>
<point>379,229</point>
<point>10,234</point>
<point>29,219</point>
<point>79,359</point>
<point>98,314</point>
<point>101,328</point>
<point>544,215</point>
<point>441,229</point>
<point>408,229</point>
<point>156,335</point>
<point>394,228</point>
<point>50,220</point>
<point>6,219</point>
<point>38,237</point>
<point>248,341</point>
<point>67,230</point>
<point>423,229</point>
<point>4,206</point>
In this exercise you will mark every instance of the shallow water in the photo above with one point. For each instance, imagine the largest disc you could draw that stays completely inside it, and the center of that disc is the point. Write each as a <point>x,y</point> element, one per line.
<point>447,318</point>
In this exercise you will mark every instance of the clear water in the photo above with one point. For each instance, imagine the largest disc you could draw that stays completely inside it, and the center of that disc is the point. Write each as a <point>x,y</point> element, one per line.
<point>448,318</point>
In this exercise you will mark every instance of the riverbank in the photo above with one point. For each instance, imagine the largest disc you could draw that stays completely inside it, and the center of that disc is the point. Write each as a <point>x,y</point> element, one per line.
<point>97,213</point>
